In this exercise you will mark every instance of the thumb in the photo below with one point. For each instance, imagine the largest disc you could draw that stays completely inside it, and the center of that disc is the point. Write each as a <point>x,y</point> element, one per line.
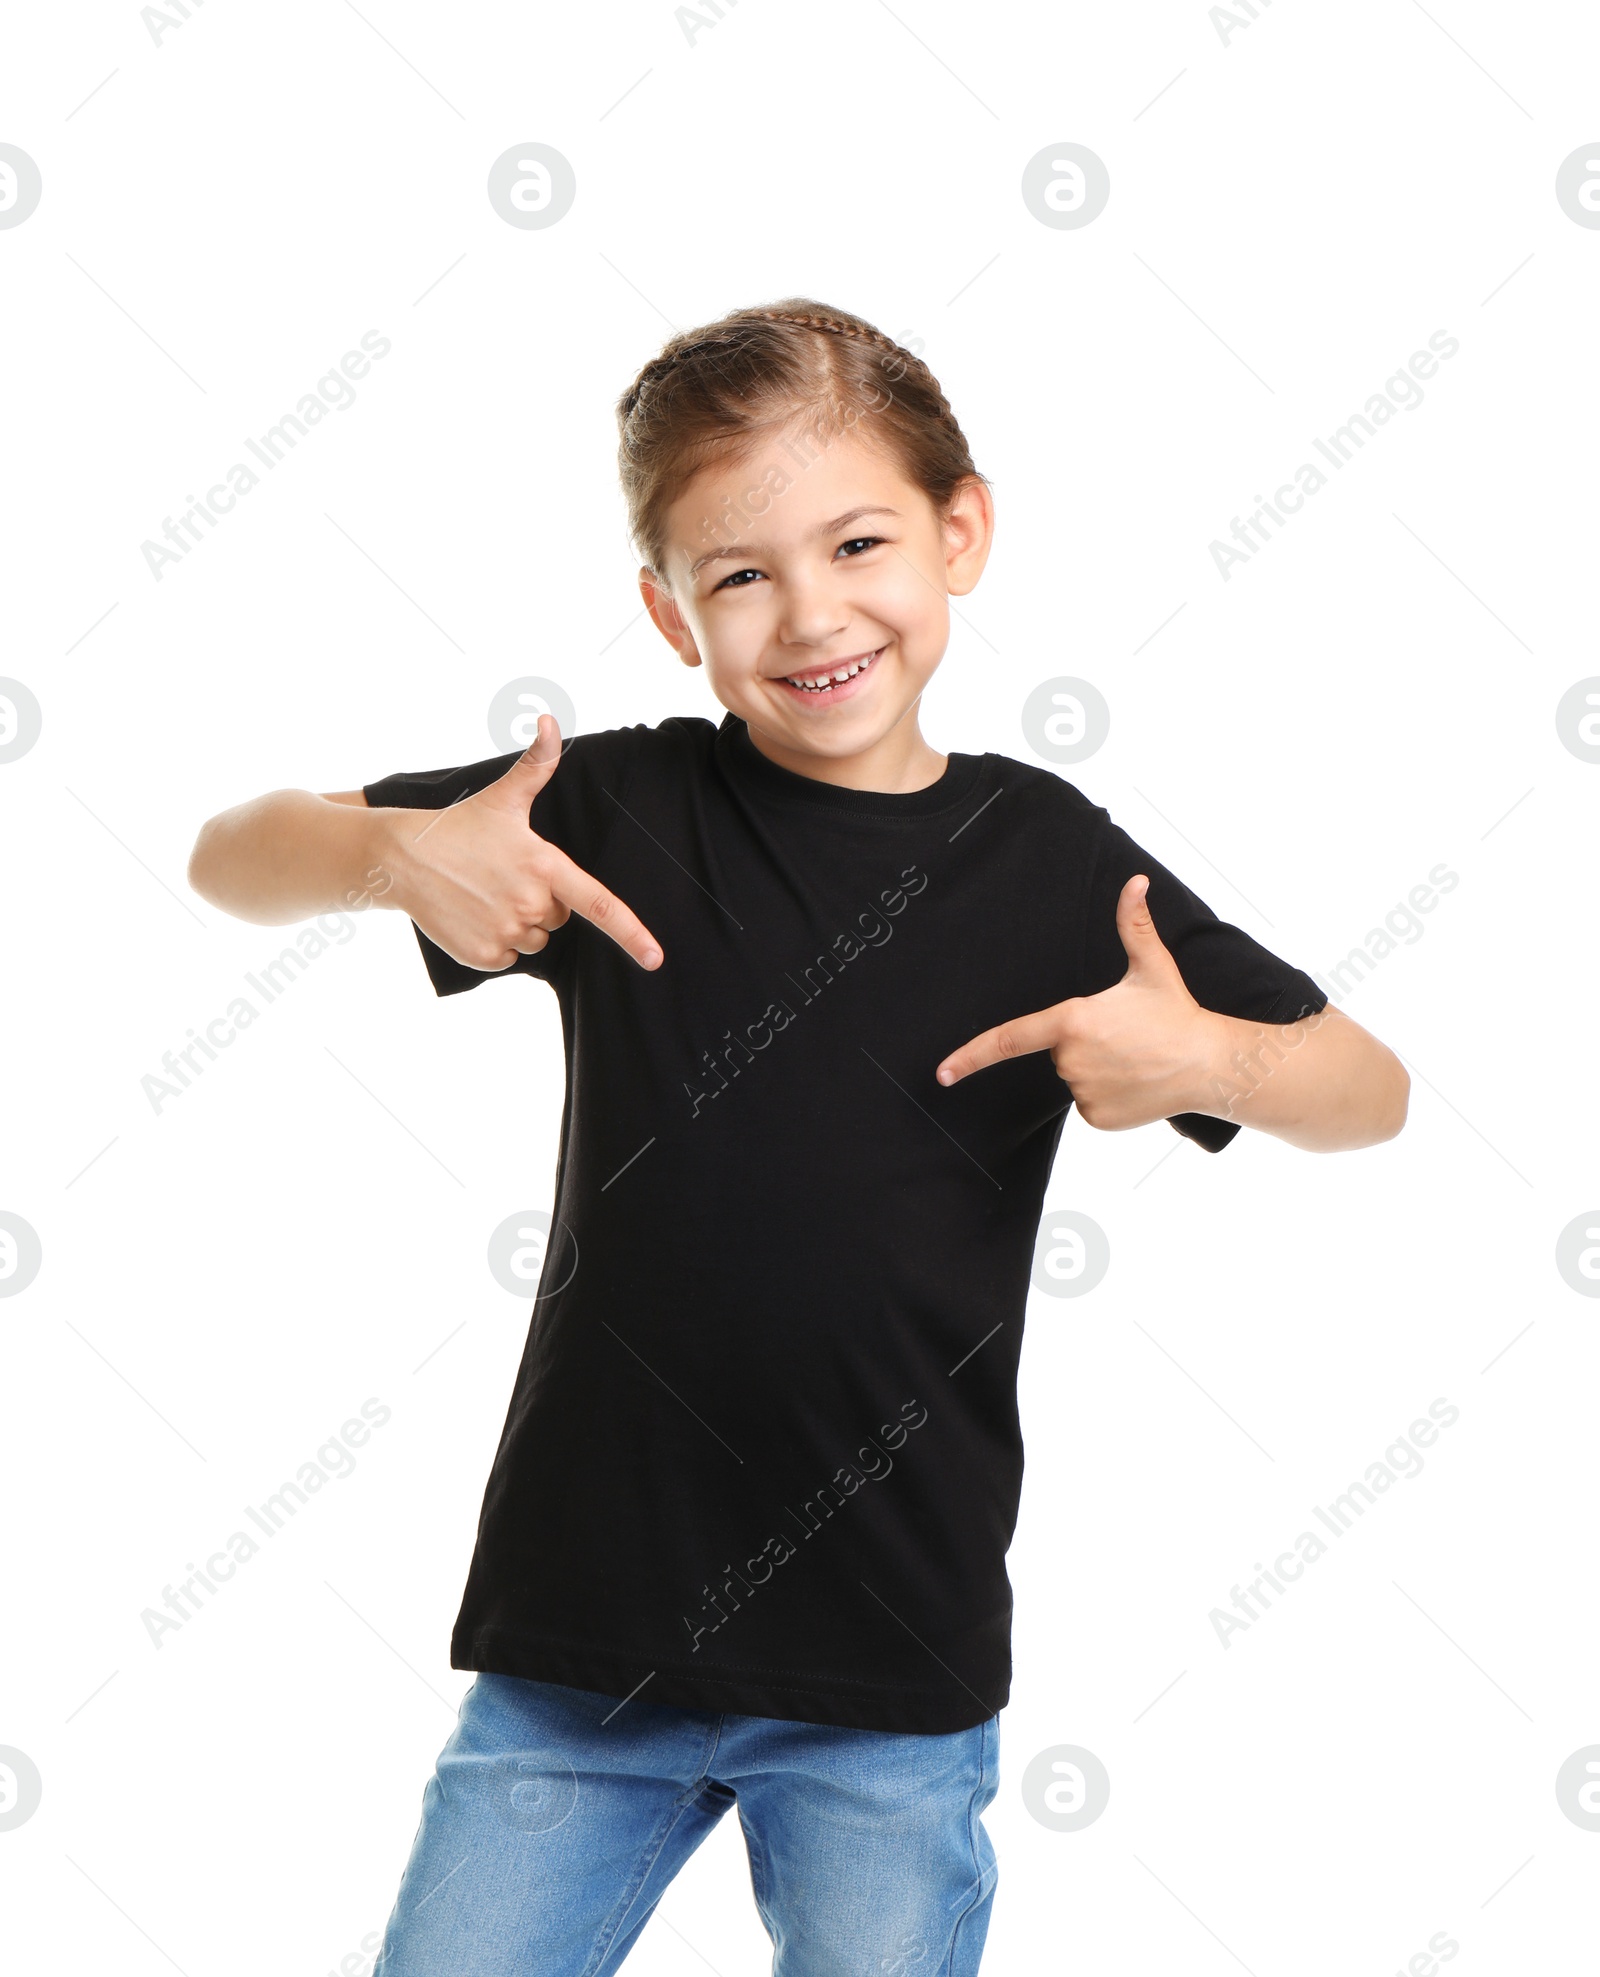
<point>1144,947</point>
<point>534,767</point>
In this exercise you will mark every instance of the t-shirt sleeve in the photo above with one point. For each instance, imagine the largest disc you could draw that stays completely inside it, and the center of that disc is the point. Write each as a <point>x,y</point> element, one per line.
<point>1223,968</point>
<point>574,810</point>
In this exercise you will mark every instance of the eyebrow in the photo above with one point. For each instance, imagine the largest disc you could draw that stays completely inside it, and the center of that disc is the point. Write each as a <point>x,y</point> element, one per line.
<point>742,551</point>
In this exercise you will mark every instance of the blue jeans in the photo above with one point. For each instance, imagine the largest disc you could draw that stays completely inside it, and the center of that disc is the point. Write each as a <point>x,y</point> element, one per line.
<point>556,1818</point>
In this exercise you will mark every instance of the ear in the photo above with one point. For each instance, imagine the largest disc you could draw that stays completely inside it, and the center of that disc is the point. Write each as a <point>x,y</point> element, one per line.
<point>667,618</point>
<point>968,535</point>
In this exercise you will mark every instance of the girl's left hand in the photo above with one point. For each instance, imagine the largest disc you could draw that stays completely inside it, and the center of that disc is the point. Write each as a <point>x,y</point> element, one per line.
<point>1141,1051</point>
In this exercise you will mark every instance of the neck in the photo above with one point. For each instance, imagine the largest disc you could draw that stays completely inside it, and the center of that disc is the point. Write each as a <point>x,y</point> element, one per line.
<point>896,763</point>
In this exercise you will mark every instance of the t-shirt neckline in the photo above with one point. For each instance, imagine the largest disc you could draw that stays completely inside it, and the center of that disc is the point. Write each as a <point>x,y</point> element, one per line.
<point>749,767</point>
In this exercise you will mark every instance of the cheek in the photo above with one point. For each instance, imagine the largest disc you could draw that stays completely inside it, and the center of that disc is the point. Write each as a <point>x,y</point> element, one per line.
<point>732,641</point>
<point>918,616</point>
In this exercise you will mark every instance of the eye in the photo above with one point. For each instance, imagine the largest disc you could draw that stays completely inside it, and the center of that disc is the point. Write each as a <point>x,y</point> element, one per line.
<point>857,543</point>
<point>736,581</point>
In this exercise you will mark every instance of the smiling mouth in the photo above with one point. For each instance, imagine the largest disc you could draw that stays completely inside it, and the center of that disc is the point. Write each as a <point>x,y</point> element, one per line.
<point>827,682</point>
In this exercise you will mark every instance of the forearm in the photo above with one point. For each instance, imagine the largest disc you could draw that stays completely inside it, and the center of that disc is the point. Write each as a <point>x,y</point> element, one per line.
<point>1324,1084</point>
<point>290,854</point>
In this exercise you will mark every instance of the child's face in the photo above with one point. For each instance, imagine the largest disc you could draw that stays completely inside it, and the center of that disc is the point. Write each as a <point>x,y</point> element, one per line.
<point>784,574</point>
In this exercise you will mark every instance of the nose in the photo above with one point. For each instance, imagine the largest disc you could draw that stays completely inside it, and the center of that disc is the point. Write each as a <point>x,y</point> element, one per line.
<point>810,615</point>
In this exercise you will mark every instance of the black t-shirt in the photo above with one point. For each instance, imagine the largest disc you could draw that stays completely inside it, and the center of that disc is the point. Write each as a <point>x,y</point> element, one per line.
<point>763,1452</point>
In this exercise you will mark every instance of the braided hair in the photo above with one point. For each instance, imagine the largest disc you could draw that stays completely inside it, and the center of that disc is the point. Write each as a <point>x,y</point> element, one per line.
<point>713,394</point>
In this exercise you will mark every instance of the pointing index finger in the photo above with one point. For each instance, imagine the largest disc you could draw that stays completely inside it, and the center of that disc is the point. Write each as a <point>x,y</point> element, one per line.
<point>573,886</point>
<point>1015,1039</point>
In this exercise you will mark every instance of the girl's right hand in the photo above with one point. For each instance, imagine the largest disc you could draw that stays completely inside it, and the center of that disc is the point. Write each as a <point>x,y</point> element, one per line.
<point>485,887</point>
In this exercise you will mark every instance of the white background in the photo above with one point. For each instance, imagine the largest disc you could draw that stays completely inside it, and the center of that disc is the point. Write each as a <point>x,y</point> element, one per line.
<point>226,1280</point>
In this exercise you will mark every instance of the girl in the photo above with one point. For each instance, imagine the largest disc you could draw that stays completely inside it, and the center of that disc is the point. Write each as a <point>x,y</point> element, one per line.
<point>828,993</point>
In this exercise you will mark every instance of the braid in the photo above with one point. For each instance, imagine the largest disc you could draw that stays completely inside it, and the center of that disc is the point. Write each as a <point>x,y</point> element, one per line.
<point>647,380</point>
<point>832,325</point>
<point>702,344</point>
<point>695,344</point>
<point>805,316</point>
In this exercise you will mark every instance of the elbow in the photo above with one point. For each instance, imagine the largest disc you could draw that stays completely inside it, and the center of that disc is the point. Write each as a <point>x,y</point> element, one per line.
<point>1395,1104</point>
<point>200,869</point>
<point>1374,1112</point>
